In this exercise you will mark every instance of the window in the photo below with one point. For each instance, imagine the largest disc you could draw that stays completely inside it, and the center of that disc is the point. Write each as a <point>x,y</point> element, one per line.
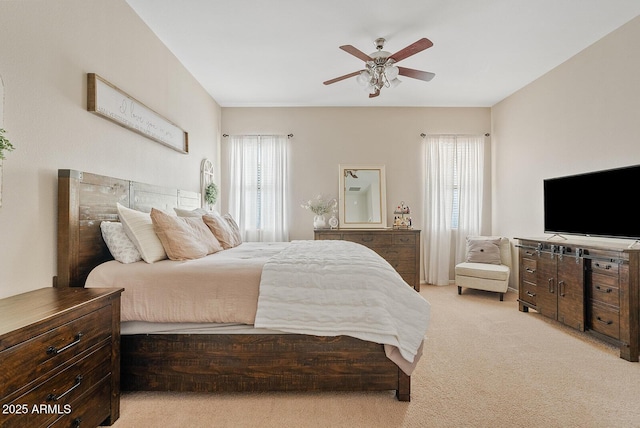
<point>454,166</point>
<point>258,188</point>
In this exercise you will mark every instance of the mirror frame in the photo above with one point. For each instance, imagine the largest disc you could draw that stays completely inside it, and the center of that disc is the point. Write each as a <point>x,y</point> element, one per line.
<point>382,224</point>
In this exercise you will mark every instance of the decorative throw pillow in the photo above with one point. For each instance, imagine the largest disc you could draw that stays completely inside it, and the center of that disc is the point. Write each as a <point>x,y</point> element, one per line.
<point>234,227</point>
<point>483,250</point>
<point>198,212</point>
<point>184,238</point>
<point>139,228</point>
<point>221,229</point>
<point>118,243</point>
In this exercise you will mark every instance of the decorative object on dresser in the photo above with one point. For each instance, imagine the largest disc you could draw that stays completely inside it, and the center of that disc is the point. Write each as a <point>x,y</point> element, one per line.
<point>320,206</point>
<point>487,266</point>
<point>401,248</point>
<point>60,353</point>
<point>586,284</point>
<point>401,219</point>
<point>207,362</point>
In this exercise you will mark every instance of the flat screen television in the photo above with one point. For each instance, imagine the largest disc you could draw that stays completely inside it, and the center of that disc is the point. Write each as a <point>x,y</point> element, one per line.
<point>599,203</point>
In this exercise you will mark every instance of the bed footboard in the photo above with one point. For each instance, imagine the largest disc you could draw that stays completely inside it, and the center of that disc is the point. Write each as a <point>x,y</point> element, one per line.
<point>260,362</point>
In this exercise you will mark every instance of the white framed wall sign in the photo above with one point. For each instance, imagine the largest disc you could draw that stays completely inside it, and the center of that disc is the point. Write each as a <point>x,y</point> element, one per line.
<point>106,100</point>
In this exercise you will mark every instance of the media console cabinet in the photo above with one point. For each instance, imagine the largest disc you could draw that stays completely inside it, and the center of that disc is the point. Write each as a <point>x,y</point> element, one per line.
<point>587,285</point>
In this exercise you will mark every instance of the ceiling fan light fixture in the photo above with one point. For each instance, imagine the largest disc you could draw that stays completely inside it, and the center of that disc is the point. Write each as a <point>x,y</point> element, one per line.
<point>391,71</point>
<point>394,82</point>
<point>364,78</point>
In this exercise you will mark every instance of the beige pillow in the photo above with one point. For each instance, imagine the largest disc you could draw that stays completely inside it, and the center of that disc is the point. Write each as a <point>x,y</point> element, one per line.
<point>234,227</point>
<point>184,238</point>
<point>221,229</point>
<point>483,250</point>
<point>139,228</point>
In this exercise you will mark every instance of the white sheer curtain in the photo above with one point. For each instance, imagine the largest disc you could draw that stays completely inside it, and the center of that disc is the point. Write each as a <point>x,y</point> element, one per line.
<point>258,186</point>
<point>454,167</point>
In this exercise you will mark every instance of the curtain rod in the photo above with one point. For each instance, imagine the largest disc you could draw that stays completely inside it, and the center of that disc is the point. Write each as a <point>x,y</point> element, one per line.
<point>424,135</point>
<point>258,135</point>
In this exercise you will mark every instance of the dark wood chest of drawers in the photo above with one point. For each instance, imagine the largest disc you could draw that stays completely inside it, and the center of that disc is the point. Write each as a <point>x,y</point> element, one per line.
<point>401,248</point>
<point>589,286</point>
<point>60,358</point>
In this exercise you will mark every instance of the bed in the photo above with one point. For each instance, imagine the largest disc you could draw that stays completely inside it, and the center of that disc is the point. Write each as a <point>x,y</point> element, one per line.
<point>204,360</point>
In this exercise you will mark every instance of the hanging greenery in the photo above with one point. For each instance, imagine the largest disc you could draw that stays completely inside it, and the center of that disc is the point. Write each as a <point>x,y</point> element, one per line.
<point>211,193</point>
<point>5,145</point>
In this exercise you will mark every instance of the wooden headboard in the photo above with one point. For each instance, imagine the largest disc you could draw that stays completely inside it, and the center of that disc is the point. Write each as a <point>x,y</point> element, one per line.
<point>85,200</point>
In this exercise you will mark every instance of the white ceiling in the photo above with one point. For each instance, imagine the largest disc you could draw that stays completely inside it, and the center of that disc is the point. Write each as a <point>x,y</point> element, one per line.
<point>264,53</point>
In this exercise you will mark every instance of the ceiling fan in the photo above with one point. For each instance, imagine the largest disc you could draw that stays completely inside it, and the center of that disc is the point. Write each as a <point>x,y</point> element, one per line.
<point>380,69</point>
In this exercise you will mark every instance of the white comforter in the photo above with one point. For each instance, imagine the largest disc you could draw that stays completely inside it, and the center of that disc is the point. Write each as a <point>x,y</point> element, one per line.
<point>330,288</point>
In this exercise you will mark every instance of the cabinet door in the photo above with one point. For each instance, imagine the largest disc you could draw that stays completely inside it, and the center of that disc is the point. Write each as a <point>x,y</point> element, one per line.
<point>570,290</point>
<point>547,300</point>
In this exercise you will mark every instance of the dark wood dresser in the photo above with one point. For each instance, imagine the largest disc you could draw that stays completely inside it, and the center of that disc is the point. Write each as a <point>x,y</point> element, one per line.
<point>400,247</point>
<point>588,285</point>
<point>60,358</point>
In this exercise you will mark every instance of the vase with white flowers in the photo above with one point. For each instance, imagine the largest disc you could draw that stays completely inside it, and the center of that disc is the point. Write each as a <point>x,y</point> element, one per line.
<point>320,206</point>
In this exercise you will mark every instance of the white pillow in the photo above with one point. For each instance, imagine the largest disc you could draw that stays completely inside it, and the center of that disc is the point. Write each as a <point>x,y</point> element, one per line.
<point>139,228</point>
<point>119,244</point>
<point>198,212</point>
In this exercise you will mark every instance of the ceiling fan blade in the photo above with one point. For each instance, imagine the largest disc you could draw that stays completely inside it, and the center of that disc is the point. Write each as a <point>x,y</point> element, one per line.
<point>356,52</point>
<point>375,94</point>
<point>412,49</point>
<point>416,74</point>
<point>346,76</point>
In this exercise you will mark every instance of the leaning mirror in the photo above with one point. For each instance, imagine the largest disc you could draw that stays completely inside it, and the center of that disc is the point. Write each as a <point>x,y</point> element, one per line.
<point>363,197</point>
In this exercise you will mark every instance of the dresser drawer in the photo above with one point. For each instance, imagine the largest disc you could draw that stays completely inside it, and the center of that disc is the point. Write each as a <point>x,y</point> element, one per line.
<point>329,236</point>
<point>90,410</point>
<point>605,267</point>
<point>529,267</point>
<point>369,239</point>
<point>604,289</point>
<point>51,349</point>
<point>605,321</point>
<point>404,239</point>
<point>528,292</point>
<point>397,253</point>
<point>59,393</point>
<point>401,266</point>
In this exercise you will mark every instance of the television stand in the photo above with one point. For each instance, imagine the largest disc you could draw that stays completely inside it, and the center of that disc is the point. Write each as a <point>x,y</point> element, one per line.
<point>588,285</point>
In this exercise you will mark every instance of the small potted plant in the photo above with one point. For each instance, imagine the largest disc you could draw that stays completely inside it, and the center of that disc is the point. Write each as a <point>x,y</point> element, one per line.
<point>5,145</point>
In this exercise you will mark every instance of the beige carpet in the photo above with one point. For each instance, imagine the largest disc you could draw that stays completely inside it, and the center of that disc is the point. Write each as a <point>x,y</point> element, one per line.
<point>485,365</point>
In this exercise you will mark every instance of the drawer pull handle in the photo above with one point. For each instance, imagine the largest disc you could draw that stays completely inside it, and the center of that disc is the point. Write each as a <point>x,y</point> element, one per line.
<point>530,294</point>
<point>52,350</point>
<point>603,321</point>
<point>605,267</point>
<point>529,270</point>
<point>54,397</point>
<point>602,290</point>
<point>367,239</point>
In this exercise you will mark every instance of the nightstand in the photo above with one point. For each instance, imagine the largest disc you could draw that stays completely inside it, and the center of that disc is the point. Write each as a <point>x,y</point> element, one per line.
<point>60,357</point>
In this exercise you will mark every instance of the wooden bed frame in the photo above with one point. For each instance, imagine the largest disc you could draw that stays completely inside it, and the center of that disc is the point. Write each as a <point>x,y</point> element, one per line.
<point>206,362</point>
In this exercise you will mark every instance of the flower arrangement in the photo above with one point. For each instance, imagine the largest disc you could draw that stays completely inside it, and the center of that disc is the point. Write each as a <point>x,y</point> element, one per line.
<point>320,205</point>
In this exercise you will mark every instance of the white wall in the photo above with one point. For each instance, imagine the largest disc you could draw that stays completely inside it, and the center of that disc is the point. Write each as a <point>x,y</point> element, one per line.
<point>326,137</point>
<point>47,49</point>
<point>582,116</point>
